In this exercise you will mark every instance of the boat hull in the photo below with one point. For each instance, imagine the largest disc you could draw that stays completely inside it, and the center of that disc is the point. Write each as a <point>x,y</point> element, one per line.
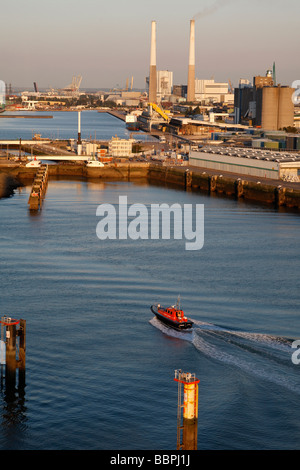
<point>132,126</point>
<point>179,326</point>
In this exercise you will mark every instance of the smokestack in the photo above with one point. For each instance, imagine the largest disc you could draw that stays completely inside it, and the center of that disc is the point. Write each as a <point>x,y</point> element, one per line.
<point>79,146</point>
<point>191,71</point>
<point>79,128</point>
<point>152,77</point>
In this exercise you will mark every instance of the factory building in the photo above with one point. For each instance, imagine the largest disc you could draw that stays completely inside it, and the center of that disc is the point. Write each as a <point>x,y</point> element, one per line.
<point>251,162</point>
<point>264,105</point>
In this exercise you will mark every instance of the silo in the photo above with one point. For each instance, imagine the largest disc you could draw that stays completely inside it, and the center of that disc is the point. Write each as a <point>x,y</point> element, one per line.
<point>285,108</point>
<point>269,115</point>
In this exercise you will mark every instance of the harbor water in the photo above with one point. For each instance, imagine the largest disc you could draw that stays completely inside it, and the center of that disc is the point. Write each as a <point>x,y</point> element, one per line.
<point>99,366</point>
<point>64,125</point>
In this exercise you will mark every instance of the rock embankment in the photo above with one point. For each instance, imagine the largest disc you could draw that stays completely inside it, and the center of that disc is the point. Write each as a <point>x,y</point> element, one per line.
<point>7,185</point>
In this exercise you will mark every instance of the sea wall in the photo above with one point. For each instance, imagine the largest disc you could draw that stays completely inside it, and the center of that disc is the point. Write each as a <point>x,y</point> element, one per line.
<point>271,192</point>
<point>233,186</point>
<point>118,171</point>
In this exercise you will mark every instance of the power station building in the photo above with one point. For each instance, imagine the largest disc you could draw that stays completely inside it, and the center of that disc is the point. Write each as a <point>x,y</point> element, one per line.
<point>164,84</point>
<point>160,82</point>
<point>209,90</point>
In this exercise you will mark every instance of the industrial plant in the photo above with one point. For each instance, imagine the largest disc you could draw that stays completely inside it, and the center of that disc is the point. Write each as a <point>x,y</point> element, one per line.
<point>259,116</point>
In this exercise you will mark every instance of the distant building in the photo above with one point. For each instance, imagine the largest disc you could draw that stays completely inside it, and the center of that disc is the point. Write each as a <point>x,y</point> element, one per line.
<point>164,83</point>
<point>260,82</point>
<point>274,107</point>
<point>209,90</point>
<point>180,90</point>
<point>120,147</point>
<point>263,104</point>
<point>246,162</point>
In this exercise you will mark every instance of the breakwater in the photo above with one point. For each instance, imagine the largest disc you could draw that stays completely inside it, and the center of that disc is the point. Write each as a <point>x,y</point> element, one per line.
<point>277,193</point>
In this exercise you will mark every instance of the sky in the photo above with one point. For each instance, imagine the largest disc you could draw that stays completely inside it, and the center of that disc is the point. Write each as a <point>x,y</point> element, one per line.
<point>108,41</point>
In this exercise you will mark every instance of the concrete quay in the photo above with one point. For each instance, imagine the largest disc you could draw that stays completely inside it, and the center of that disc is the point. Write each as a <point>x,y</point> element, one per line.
<point>252,189</point>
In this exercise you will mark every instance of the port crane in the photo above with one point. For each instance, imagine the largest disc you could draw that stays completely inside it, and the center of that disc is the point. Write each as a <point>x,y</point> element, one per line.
<point>159,111</point>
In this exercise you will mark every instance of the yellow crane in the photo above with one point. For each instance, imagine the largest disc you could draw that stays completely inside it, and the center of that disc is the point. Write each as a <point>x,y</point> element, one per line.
<point>159,111</point>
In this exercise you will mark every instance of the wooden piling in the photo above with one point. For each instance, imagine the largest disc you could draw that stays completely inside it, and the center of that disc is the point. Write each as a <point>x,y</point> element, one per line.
<point>15,341</point>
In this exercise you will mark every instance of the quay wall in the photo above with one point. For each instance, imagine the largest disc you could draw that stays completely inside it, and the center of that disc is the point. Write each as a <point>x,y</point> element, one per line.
<point>273,192</point>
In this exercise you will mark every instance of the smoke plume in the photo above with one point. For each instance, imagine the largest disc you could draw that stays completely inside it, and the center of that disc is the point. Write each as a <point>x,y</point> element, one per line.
<point>210,9</point>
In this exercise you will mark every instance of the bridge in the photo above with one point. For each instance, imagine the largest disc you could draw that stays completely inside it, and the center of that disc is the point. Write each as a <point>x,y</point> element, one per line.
<point>24,142</point>
<point>64,158</point>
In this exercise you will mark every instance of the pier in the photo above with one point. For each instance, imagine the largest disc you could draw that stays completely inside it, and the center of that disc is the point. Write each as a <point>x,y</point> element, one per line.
<point>38,190</point>
<point>25,116</point>
<point>116,114</point>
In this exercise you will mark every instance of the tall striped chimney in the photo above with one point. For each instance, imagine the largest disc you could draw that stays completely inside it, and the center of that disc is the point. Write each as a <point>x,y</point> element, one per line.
<point>191,71</point>
<point>152,76</point>
<point>79,144</point>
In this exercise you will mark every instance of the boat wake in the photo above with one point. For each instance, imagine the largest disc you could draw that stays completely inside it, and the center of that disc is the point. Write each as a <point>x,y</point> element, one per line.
<point>266,356</point>
<point>186,334</point>
<point>261,355</point>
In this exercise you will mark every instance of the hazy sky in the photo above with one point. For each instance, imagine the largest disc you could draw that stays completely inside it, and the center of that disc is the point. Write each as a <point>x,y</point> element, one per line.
<point>50,41</point>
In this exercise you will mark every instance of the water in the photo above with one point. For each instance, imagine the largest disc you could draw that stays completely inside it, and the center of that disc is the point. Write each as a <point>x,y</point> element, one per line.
<point>100,368</point>
<point>63,125</point>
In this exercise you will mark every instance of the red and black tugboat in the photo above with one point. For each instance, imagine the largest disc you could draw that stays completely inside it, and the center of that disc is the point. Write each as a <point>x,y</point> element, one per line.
<point>172,316</point>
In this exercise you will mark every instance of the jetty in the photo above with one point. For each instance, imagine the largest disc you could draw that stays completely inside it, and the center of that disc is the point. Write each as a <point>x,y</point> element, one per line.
<point>39,187</point>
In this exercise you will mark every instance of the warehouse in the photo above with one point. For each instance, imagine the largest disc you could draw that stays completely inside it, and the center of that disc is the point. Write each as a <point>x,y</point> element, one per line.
<point>252,162</point>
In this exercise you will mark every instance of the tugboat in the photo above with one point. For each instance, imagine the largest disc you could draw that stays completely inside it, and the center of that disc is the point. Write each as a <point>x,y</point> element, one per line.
<point>172,316</point>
